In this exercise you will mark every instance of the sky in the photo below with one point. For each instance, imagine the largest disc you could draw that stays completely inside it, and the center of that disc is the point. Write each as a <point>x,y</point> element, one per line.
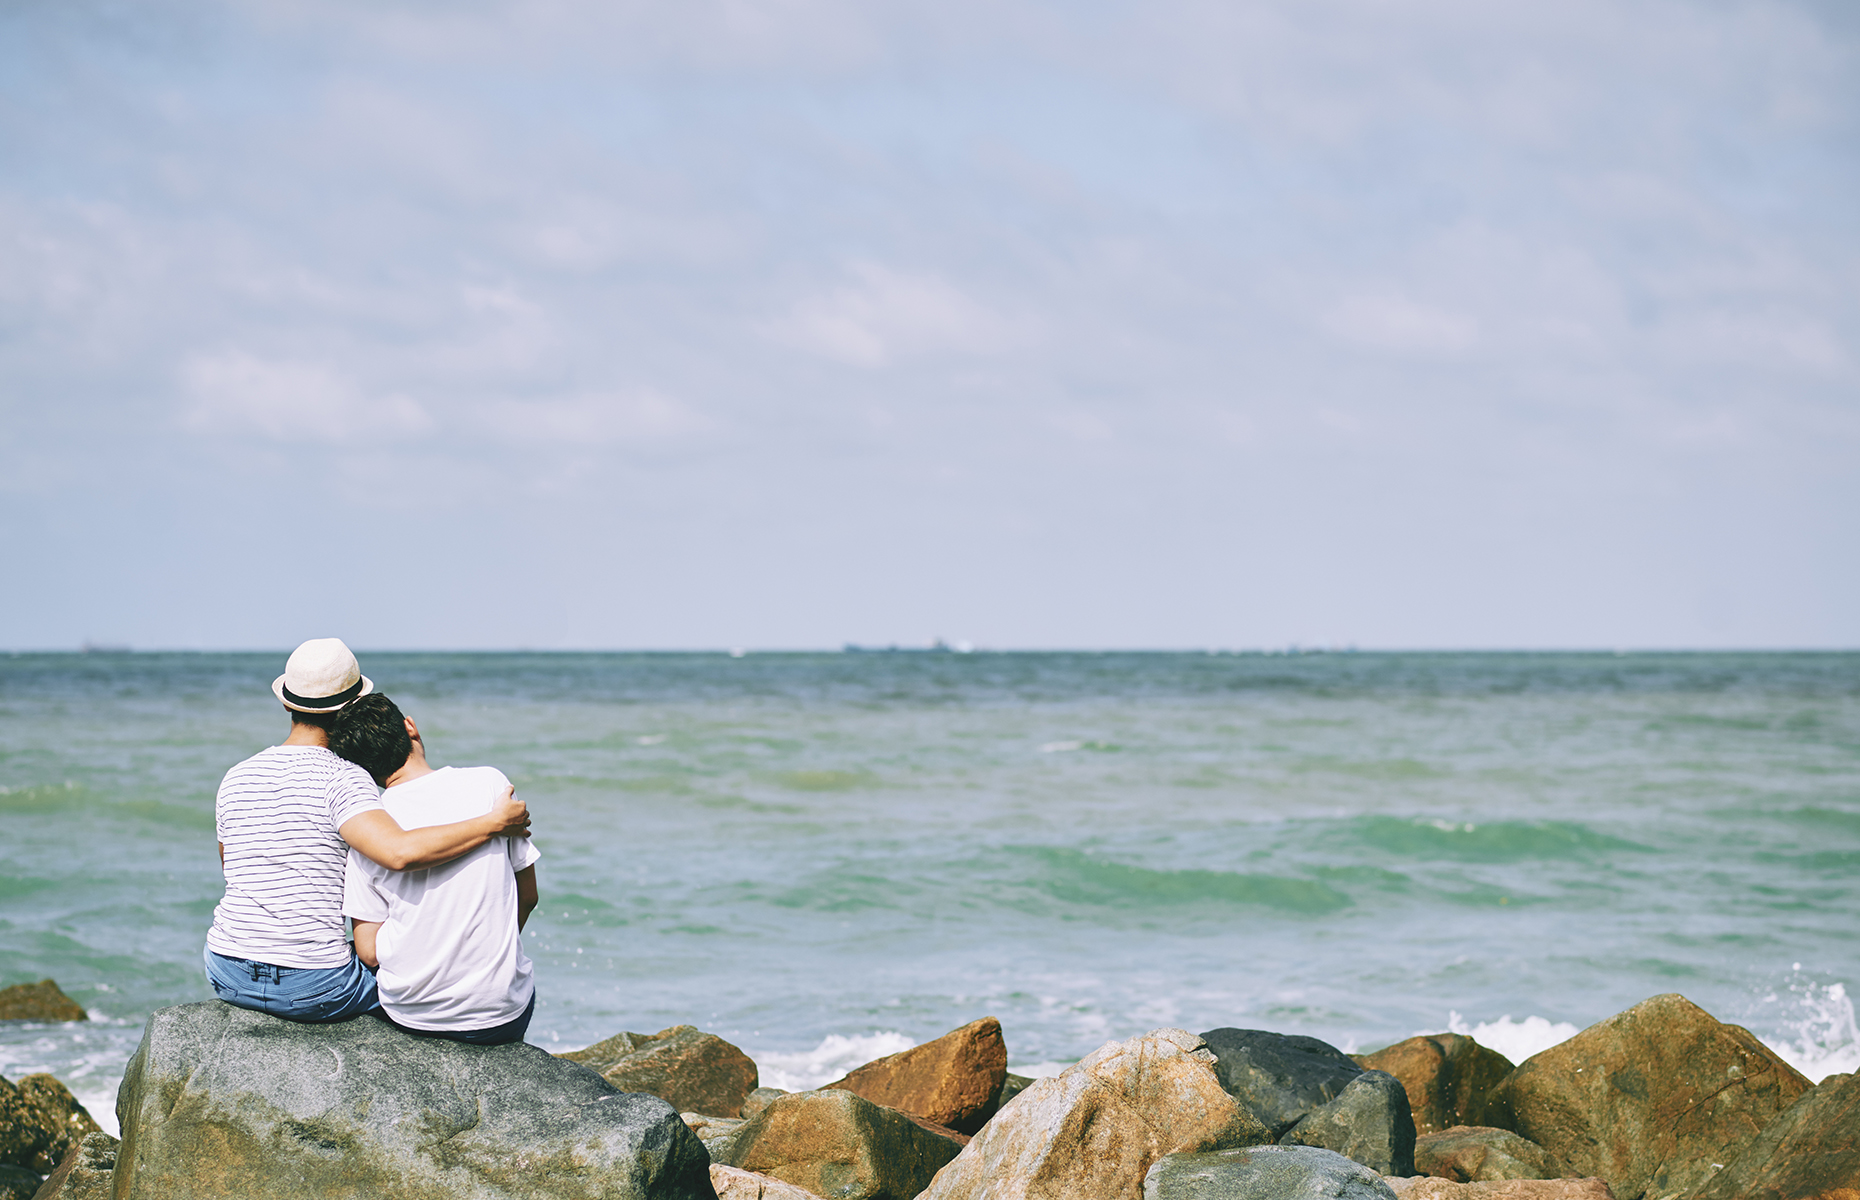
<point>598,324</point>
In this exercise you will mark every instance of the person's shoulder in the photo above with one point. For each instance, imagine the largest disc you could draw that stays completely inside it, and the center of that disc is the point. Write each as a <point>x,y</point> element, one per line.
<point>479,777</point>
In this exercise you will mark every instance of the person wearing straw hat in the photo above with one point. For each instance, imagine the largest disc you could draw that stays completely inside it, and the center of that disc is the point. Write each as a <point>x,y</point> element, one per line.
<point>286,819</point>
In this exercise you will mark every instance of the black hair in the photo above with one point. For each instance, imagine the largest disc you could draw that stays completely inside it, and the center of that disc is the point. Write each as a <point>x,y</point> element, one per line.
<point>322,721</point>
<point>371,733</point>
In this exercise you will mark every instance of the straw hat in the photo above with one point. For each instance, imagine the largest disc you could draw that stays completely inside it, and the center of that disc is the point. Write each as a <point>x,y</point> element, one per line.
<point>320,677</point>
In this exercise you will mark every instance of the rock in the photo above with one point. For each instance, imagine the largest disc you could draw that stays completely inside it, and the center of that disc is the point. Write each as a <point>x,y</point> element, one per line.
<point>17,1183</point>
<point>1279,1077</point>
<point>1812,1149</point>
<point>40,1123</point>
<point>952,1081</point>
<point>760,1099</point>
<point>1447,1076</point>
<point>87,1172</point>
<point>1263,1173</point>
<point>733,1184</point>
<point>1094,1130</point>
<point>41,1001</point>
<point>1367,1122</point>
<point>840,1145</point>
<point>225,1103</point>
<point>1011,1086</point>
<point>1648,1099</point>
<point>1476,1154</point>
<point>717,1133</point>
<point>1423,1188</point>
<point>694,1070</point>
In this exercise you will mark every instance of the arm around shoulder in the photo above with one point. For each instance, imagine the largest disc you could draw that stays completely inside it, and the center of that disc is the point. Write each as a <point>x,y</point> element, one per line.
<point>381,838</point>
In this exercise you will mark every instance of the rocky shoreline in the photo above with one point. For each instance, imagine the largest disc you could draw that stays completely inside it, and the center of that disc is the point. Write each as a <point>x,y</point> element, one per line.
<point>1660,1102</point>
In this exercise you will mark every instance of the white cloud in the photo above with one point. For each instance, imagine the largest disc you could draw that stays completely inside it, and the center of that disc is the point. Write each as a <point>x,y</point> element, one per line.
<point>1388,320</point>
<point>240,394</point>
<point>880,315</point>
<point>593,419</point>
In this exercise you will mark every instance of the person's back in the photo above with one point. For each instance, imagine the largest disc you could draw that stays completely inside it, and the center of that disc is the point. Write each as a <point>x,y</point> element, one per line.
<point>443,940</point>
<point>450,957</point>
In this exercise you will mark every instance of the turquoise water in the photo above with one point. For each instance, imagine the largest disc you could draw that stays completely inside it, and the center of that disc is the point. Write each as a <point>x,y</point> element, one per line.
<point>828,856</point>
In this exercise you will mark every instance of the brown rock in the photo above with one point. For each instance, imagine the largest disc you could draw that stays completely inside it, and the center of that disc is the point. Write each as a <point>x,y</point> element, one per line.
<point>836,1143</point>
<point>88,1172</point>
<point>1648,1099</point>
<point>953,1081</point>
<point>696,1071</point>
<point>1095,1129</point>
<point>40,1123</point>
<point>1811,1150</point>
<point>1475,1154</point>
<point>734,1184</point>
<point>760,1099</point>
<point>1447,1077</point>
<point>41,1001</point>
<point>1423,1188</point>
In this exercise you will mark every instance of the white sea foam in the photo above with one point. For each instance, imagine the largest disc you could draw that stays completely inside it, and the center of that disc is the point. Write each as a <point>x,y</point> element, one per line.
<point>1821,1038</point>
<point>1516,1040</point>
<point>800,1070</point>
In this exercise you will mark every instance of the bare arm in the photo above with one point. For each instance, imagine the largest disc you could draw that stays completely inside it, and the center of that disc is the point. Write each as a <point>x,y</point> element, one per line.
<point>381,838</point>
<point>365,932</point>
<point>526,894</point>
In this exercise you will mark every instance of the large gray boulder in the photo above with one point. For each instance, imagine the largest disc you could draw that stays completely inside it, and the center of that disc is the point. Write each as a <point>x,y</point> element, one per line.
<point>1279,1077</point>
<point>1369,1122</point>
<point>226,1104</point>
<point>1263,1173</point>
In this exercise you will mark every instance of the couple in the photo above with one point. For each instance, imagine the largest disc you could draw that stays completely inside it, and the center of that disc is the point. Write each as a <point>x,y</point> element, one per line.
<point>437,873</point>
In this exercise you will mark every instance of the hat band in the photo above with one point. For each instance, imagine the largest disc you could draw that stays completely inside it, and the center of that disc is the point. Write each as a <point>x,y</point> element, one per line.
<point>336,701</point>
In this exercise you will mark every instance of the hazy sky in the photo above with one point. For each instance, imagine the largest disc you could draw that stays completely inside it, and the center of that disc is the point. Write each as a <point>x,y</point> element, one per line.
<point>587,323</point>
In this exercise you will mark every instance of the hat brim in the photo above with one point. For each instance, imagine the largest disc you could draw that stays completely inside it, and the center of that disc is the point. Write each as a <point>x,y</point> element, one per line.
<point>277,689</point>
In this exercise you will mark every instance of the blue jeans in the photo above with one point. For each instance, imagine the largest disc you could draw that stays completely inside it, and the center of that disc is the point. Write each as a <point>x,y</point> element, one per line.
<point>311,994</point>
<point>497,1035</point>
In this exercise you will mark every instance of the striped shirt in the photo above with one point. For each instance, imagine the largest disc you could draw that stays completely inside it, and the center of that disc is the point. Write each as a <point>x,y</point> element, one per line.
<point>277,814</point>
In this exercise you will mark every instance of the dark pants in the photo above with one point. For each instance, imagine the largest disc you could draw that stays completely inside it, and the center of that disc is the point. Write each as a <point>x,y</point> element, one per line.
<point>498,1035</point>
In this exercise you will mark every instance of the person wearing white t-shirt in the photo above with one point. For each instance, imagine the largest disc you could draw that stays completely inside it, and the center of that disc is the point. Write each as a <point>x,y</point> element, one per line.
<point>443,940</point>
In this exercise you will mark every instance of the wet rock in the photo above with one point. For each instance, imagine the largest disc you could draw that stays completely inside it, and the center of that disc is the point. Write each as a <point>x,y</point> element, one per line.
<point>1094,1130</point>
<point>40,1123</point>
<point>734,1184</point>
<point>1811,1150</point>
<point>952,1081</point>
<point>221,1103</point>
<point>41,1001</point>
<point>1447,1076</point>
<point>17,1183</point>
<point>1367,1122</point>
<point>1424,1188</point>
<point>693,1070</point>
<point>1475,1154</point>
<point>1648,1099</point>
<point>840,1145</point>
<point>86,1173</point>
<point>1279,1077</point>
<point>1263,1173</point>
<point>760,1099</point>
<point>1011,1086</point>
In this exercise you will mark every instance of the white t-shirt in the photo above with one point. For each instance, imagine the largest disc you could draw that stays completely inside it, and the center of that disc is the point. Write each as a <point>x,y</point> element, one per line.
<point>448,946</point>
<point>277,814</point>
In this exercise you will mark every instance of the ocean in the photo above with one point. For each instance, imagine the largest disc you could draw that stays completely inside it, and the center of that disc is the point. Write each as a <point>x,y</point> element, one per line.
<point>826,857</point>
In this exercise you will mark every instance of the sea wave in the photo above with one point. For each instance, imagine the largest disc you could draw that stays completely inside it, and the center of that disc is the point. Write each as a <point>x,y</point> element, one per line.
<point>1081,878</point>
<point>1486,841</point>
<point>802,1070</point>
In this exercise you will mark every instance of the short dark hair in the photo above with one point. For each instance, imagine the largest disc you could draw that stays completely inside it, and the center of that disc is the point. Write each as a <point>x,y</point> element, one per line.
<point>371,733</point>
<point>322,721</point>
